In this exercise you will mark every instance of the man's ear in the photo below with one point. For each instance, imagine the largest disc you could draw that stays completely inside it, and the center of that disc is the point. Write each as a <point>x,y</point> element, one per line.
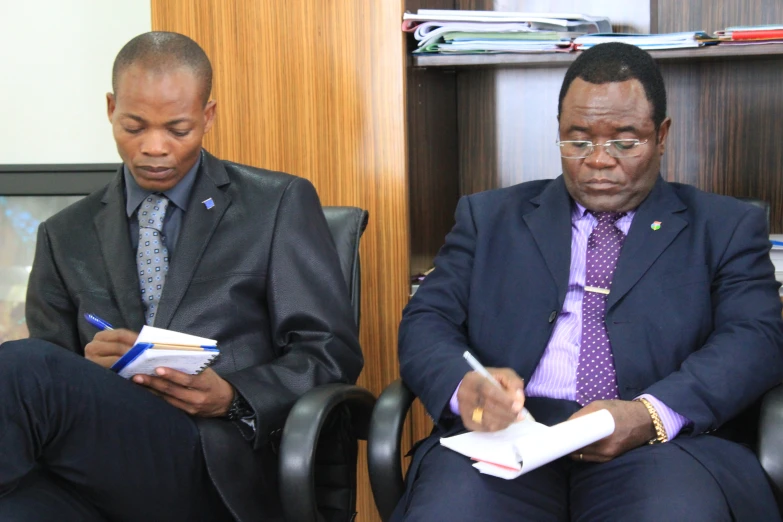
<point>111,104</point>
<point>209,115</point>
<point>663,133</point>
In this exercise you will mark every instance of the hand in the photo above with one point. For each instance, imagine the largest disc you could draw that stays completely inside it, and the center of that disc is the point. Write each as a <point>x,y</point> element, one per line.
<point>203,395</point>
<point>633,427</point>
<point>109,345</point>
<point>501,405</point>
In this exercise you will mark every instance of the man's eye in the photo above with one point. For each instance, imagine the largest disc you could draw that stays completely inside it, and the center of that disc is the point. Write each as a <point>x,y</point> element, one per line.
<point>625,144</point>
<point>180,134</point>
<point>580,144</point>
<point>133,131</point>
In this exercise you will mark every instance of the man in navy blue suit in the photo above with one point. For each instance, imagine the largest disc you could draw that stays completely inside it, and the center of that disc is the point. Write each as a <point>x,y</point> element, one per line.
<point>605,288</point>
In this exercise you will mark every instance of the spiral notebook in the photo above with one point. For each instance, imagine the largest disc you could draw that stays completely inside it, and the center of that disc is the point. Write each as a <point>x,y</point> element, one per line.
<point>157,347</point>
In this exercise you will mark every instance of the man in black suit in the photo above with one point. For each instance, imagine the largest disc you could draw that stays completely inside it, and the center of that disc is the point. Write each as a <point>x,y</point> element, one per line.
<point>605,288</point>
<point>244,256</point>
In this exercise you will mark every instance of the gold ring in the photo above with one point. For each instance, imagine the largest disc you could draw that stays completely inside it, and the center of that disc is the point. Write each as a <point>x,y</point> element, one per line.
<point>478,414</point>
<point>581,457</point>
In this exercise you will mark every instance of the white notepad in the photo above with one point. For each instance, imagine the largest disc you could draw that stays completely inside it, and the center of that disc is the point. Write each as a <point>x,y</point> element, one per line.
<point>157,347</point>
<point>527,445</point>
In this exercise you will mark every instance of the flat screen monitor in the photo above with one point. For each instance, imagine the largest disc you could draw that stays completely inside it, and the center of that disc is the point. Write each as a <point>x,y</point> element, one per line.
<point>29,194</point>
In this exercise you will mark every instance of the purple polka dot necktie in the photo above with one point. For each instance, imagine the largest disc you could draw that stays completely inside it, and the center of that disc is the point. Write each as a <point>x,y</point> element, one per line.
<point>152,256</point>
<point>595,375</point>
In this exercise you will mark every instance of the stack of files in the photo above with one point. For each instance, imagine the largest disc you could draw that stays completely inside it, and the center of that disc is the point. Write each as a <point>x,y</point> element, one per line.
<point>456,31</point>
<point>527,445</point>
<point>776,255</point>
<point>751,35</point>
<point>648,42</point>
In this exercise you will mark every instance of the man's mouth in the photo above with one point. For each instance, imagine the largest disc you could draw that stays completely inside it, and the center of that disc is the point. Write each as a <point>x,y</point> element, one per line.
<point>155,170</point>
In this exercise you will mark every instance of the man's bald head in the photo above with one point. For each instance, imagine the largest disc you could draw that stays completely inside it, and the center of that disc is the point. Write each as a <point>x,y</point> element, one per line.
<point>161,52</point>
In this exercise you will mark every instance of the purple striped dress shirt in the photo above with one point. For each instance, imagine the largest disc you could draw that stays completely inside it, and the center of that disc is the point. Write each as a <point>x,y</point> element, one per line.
<point>555,376</point>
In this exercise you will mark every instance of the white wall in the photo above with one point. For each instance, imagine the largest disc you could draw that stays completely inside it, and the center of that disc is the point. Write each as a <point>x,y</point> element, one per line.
<point>55,70</point>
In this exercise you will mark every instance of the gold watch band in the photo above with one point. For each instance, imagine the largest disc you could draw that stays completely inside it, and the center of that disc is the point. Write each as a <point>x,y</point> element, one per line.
<point>660,431</point>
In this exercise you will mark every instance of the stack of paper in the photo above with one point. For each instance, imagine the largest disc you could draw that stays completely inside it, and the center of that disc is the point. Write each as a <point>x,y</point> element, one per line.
<point>455,31</point>
<point>649,42</point>
<point>751,34</point>
<point>527,445</point>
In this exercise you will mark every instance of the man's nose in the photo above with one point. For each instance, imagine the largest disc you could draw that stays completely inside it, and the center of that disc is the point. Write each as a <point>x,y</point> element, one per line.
<point>600,158</point>
<point>155,144</point>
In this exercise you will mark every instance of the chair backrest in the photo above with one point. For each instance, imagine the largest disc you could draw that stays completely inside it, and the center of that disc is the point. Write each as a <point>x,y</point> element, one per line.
<point>763,205</point>
<point>337,448</point>
<point>347,225</point>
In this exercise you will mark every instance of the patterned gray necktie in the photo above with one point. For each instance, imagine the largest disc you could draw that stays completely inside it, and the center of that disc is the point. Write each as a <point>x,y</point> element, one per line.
<point>152,255</point>
<point>596,378</point>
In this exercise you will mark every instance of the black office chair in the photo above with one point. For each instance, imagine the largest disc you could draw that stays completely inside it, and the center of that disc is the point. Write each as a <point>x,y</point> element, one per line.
<point>760,427</point>
<point>318,448</point>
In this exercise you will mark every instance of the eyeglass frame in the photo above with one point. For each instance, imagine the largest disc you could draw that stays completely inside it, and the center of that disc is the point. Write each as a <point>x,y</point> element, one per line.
<point>605,145</point>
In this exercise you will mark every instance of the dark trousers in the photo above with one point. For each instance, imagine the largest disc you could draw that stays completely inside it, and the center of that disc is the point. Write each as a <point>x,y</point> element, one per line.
<point>649,483</point>
<point>79,443</point>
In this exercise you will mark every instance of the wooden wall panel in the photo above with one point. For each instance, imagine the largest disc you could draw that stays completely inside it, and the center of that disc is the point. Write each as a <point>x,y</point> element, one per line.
<point>725,136</point>
<point>316,89</point>
<point>712,15</point>
<point>508,126</point>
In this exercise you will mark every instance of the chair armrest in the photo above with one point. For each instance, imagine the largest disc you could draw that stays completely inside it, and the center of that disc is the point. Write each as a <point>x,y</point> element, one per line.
<point>383,446</point>
<point>770,444</point>
<point>300,438</point>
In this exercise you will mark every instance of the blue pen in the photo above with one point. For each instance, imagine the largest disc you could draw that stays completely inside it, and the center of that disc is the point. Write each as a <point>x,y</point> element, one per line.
<point>97,322</point>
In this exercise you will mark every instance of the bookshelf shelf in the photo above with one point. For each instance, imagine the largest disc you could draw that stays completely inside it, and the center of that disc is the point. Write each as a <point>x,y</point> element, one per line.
<point>714,52</point>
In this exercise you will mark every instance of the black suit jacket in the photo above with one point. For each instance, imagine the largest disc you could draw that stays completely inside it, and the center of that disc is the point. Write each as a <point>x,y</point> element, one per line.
<point>693,316</point>
<point>258,272</point>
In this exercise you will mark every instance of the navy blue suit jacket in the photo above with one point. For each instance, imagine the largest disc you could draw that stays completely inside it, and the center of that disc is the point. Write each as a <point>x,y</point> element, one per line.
<point>694,315</point>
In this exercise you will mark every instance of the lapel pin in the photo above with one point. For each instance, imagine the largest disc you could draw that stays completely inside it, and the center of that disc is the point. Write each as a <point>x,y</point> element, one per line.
<point>656,225</point>
<point>208,203</point>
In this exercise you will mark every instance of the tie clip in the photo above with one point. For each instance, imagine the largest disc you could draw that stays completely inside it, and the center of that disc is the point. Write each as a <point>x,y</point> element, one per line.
<point>597,290</point>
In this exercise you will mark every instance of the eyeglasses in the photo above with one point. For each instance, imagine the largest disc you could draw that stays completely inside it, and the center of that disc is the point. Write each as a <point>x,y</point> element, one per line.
<point>615,148</point>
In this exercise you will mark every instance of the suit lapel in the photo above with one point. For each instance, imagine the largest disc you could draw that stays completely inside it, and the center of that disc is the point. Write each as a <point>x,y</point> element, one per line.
<point>643,244</point>
<point>111,224</point>
<point>550,225</point>
<point>198,225</point>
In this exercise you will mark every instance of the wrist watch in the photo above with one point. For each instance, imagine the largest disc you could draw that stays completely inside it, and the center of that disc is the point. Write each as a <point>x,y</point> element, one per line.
<point>239,408</point>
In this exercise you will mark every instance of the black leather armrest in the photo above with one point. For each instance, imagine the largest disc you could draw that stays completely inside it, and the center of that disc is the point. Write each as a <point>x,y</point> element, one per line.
<point>300,438</point>
<point>383,446</point>
<point>770,446</point>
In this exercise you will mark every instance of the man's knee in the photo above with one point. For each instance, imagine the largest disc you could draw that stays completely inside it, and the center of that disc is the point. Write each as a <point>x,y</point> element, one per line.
<point>18,357</point>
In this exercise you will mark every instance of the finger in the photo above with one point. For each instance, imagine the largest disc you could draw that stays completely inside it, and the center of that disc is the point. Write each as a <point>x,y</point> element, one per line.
<point>106,362</point>
<point>103,348</point>
<point>169,388</point>
<point>509,379</point>
<point>120,335</point>
<point>182,379</point>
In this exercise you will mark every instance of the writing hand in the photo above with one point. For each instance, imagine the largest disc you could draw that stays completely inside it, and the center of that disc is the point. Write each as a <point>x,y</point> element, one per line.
<point>500,405</point>
<point>109,345</point>
<point>633,427</point>
<point>203,395</point>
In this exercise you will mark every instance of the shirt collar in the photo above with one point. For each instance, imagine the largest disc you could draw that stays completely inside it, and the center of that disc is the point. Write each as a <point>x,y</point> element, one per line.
<point>179,194</point>
<point>578,212</point>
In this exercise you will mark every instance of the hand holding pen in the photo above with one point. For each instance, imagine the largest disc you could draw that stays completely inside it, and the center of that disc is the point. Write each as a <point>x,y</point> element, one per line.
<point>491,400</point>
<point>109,344</point>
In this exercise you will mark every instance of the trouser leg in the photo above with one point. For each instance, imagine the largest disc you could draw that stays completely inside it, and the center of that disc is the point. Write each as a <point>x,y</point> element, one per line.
<point>122,449</point>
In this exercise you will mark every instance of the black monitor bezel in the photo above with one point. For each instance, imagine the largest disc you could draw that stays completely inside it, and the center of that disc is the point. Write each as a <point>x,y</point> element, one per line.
<point>55,179</point>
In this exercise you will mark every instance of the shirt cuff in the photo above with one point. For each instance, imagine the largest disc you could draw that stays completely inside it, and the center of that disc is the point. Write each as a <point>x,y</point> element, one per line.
<point>454,402</point>
<point>672,421</point>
